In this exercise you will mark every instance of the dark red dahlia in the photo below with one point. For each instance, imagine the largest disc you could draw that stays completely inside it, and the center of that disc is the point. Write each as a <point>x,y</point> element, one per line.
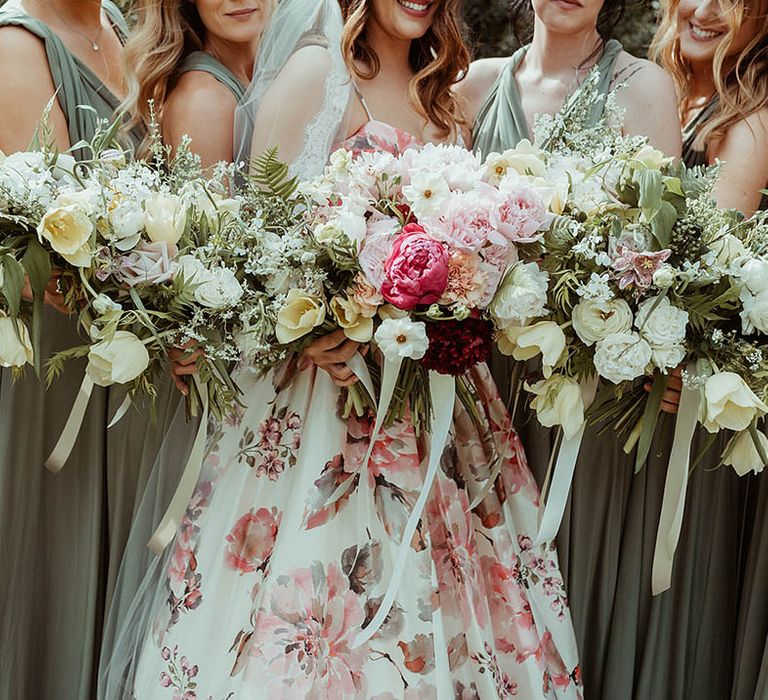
<point>456,346</point>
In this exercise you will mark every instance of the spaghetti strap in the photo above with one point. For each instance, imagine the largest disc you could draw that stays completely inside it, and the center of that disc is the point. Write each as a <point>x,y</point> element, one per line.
<point>362,101</point>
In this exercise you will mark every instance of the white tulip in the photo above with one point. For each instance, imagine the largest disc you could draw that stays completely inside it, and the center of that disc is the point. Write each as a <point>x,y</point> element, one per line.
<point>525,342</point>
<point>165,217</point>
<point>118,360</point>
<point>744,456</point>
<point>729,403</point>
<point>559,402</point>
<point>15,351</point>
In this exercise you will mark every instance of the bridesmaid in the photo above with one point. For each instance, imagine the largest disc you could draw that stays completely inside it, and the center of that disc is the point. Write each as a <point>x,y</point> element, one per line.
<point>718,56</point>
<point>195,61</point>
<point>63,534</point>
<point>502,97</point>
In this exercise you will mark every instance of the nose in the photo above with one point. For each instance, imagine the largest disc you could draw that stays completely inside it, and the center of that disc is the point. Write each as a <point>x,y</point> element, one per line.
<point>707,10</point>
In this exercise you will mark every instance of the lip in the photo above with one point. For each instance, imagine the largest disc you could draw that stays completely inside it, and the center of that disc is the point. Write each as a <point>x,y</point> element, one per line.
<point>243,14</point>
<point>568,5</point>
<point>407,6</point>
<point>703,35</point>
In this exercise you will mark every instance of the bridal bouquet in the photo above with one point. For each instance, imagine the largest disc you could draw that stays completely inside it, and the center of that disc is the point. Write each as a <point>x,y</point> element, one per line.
<point>419,254</point>
<point>646,275</point>
<point>137,250</point>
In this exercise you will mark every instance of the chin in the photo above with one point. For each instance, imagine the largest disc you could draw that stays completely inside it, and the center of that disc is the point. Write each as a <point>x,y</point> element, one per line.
<point>412,24</point>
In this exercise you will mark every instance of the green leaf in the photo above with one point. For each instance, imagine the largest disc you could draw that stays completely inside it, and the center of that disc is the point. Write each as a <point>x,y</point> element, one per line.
<point>13,284</point>
<point>663,223</point>
<point>651,191</point>
<point>37,263</point>
<point>674,185</point>
<point>273,175</point>
<point>650,419</point>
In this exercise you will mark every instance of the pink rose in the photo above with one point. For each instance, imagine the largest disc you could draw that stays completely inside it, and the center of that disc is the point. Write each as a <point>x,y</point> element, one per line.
<point>521,216</point>
<point>150,263</point>
<point>252,540</point>
<point>416,270</point>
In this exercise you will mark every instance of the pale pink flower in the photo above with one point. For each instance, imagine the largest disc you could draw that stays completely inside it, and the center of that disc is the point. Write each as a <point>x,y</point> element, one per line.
<point>252,540</point>
<point>302,643</point>
<point>376,247</point>
<point>366,296</point>
<point>468,279</point>
<point>521,215</point>
<point>149,263</point>
<point>466,220</point>
<point>637,268</point>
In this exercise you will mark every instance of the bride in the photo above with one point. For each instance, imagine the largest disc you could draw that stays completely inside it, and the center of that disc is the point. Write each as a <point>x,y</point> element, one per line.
<point>269,582</point>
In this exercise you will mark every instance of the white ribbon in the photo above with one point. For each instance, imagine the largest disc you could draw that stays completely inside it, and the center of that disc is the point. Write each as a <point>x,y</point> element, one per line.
<point>673,505</point>
<point>168,526</point>
<point>60,454</point>
<point>442,390</point>
<point>120,412</point>
<point>562,475</point>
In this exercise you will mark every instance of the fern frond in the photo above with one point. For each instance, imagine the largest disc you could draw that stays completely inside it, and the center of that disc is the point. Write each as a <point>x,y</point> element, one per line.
<point>272,174</point>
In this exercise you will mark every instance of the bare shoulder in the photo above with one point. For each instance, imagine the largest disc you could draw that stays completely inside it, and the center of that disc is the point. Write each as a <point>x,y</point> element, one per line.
<point>747,139</point>
<point>306,68</point>
<point>480,79</point>
<point>198,96</point>
<point>18,47</point>
<point>643,79</point>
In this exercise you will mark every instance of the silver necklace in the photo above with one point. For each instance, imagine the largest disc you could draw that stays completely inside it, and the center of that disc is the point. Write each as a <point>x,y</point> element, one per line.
<point>93,42</point>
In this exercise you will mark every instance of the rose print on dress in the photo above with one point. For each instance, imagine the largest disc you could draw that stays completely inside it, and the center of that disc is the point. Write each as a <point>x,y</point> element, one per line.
<point>252,539</point>
<point>274,445</point>
<point>302,646</point>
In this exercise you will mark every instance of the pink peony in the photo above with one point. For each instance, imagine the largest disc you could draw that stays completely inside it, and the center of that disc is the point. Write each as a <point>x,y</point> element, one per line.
<point>150,263</point>
<point>468,220</point>
<point>376,248</point>
<point>521,216</point>
<point>416,271</point>
<point>252,540</point>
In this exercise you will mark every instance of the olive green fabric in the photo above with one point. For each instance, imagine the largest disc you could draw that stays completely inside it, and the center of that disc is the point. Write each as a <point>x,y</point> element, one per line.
<point>633,646</point>
<point>63,535</point>
<point>204,62</point>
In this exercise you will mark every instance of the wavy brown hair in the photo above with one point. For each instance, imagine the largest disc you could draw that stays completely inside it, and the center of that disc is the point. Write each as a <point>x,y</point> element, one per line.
<point>166,32</point>
<point>740,79</point>
<point>439,60</point>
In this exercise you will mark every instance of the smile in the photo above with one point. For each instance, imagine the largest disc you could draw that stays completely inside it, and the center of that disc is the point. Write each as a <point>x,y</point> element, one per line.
<point>704,34</point>
<point>419,9</point>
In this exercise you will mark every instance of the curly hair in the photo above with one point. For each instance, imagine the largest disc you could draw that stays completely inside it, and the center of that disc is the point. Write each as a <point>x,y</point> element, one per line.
<point>439,60</point>
<point>740,80</point>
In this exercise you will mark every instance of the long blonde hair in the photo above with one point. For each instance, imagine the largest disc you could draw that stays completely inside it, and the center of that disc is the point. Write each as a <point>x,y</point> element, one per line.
<point>439,60</point>
<point>740,81</point>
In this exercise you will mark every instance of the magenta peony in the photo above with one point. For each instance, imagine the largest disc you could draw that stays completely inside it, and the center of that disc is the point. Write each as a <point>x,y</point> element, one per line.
<point>416,270</point>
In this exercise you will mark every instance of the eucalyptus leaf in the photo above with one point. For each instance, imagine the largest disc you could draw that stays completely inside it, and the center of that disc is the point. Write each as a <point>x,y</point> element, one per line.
<point>13,284</point>
<point>663,223</point>
<point>37,263</point>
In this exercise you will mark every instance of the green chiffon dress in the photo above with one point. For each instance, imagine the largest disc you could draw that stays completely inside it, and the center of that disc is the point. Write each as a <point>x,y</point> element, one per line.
<point>205,63</point>
<point>63,535</point>
<point>633,646</point>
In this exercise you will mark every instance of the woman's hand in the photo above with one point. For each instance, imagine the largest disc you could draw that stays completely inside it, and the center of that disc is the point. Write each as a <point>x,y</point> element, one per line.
<point>331,353</point>
<point>184,364</point>
<point>670,402</point>
<point>53,296</point>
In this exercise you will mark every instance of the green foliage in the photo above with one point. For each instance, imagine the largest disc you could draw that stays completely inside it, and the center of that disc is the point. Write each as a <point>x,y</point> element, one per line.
<point>273,175</point>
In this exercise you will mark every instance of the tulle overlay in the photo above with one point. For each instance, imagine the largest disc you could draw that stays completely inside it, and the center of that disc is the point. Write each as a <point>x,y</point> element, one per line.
<point>287,546</point>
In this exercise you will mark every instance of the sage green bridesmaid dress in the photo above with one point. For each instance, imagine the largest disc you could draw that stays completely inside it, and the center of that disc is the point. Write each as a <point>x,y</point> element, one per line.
<point>633,646</point>
<point>63,535</point>
<point>205,63</point>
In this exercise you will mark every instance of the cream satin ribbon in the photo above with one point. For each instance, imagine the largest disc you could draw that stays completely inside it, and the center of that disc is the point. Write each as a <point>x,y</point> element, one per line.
<point>168,526</point>
<point>60,453</point>
<point>443,396</point>
<point>562,476</point>
<point>673,505</point>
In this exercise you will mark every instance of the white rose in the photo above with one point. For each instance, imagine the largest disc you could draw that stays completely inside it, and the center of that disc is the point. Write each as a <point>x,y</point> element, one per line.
<point>754,314</point>
<point>521,297</point>
<point>728,249</point>
<point>729,403</point>
<point>525,342</point>
<point>118,360</point>
<point>399,338</point>
<point>220,289</point>
<point>667,357</point>
<point>594,320</point>
<point>558,402</point>
<point>754,275</point>
<point>651,158</point>
<point>661,323</point>
<point>351,320</point>
<point>622,357</point>
<point>664,277</point>
<point>165,217</point>
<point>300,313</point>
<point>15,351</point>
<point>191,270</point>
<point>67,226</point>
<point>743,456</point>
